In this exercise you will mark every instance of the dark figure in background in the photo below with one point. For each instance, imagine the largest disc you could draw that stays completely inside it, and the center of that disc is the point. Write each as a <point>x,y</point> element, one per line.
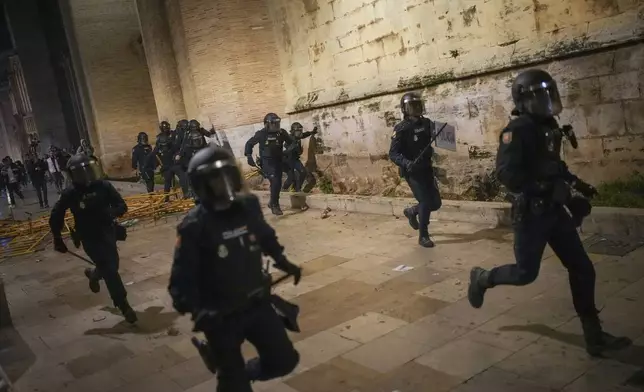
<point>144,167</point>
<point>57,164</point>
<point>95,204</point>
<point>271,140</point>
<point>411,150</point>
<point>529,164</point>
<point>23,173</point>
<point>193,141</point>
<point>11,178</point>
<point>164,153</point>
<point>37,169</point>
<point>218,276</point>
<point>296,172</point>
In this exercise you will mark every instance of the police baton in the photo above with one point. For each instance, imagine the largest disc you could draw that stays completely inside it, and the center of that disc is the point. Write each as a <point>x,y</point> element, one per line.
<point>422,153</point>
<point>80,257</point>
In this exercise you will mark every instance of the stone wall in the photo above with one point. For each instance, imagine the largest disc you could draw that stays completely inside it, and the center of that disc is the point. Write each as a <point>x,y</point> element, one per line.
<point>113,61</point>
<point>345,64</point>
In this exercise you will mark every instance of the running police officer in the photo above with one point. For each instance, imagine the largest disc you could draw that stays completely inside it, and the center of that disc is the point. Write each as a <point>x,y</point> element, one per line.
<point>411,151</point>
<point>529,164</point>
<point>95,204</point>
<point>218,276</point>
<point>164,153</point>
<point>192,141</point>
<point>271,140</point>
<point>296,173</point>
<point>144,167</point>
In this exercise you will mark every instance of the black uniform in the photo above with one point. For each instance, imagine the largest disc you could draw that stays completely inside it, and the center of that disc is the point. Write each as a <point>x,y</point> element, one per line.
<point>271,140</point>
<point>164,153</point>
<point>218,276</point>
<point>295,170</point>
<point>530,166</point>
<point>140,162</point>
<point>95,204</point>
<point>411,151</point>
<point>192,141</point>
<point>37,168</point>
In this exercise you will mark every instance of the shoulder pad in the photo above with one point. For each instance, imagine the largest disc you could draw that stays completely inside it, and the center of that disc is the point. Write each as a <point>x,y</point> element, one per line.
<point>251,203</point>
<point>519,123</point>
<point>401,126</point>
<point>191,222</point>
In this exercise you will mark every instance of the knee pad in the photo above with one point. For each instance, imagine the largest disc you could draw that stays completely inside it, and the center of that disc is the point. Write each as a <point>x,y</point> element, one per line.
<point>527,276</point>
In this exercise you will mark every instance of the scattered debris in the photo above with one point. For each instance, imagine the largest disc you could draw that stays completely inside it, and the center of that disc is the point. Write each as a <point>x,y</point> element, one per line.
<point>403,268</point>
<point>172,331</point>
<point>325,213</point>
<point>51,316</point>
<point>457,283</point>
<point>129,283</point>
<point>129,222</point>
<point>96,319</point>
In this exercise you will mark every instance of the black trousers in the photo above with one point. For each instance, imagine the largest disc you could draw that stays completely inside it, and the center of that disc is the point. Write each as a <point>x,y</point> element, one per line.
<point>148,177</point>
<point>104,253</point>
<point>14,187</point>
<point>263,328</point>
<point>425,191</point>
<point>273,170</point>
<point>168,176</point>
<point>555,228</point>
<point>41,191</point>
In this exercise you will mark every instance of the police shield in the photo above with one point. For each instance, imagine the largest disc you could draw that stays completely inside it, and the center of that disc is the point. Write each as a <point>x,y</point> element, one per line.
<point>444,136</point>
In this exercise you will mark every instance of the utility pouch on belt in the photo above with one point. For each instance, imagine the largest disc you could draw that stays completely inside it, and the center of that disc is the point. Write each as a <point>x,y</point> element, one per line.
<point>537,206</point>
<point>519,206</point>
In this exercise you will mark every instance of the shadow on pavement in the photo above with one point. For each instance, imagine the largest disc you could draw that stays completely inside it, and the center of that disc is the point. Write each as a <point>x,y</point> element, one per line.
<point>16,356</point>
<point>151,321</point>
<point>498,235</point>
<point>633,355</point>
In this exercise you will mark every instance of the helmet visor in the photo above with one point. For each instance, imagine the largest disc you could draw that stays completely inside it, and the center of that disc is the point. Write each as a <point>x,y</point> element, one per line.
<point>542,99</point>
<point>143,139</point>
<point>218,183</point>
<point>85,172</point>
<point>273,125</point>
<point>413,107</point>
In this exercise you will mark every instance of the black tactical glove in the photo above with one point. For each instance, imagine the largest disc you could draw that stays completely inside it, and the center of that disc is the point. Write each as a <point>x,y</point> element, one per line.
<point>315,130</point>
<point>585,189</point>
<point>284,265</point>
<point>59,245</point>
<point>251,161</point>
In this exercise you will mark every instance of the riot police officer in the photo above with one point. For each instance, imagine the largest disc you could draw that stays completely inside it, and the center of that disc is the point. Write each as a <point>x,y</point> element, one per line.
<point>271,140</point>
<point>529,164</point>
<point>163,152</point>
<point>192,141</point>
<point>140,162</point>
<point>296,173</point>
<point>95,204</point>
<point>411,151</point>
<point>217,275</point>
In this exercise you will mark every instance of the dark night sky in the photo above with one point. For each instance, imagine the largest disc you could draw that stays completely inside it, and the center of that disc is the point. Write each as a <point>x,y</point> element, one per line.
<point>5,38</point>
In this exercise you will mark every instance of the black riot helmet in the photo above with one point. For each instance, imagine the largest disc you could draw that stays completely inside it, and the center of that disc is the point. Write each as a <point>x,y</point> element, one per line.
<point>297,130</point>
<point>534,91</point>
<point>412,105</point>
<point>164,127</point>
<point>194,125</point>
<point>182,125</point>
<point>215,177</point>
<point>272,122</point>
<point>83,170</point>
<point>142,138</point>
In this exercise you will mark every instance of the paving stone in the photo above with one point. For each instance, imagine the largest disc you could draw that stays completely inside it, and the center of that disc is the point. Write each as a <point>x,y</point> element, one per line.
<point>425,275</point>
<point>158,382</point>
<point>497,380</point>
<point>550,363</point>
<point>449,290</point>
<point>413,307</point>
<point>545,310</point>
<point>97,360</point>
<point>463,358</point>
<point>102,381</point>
<point>322,347</point>
<point>322,263</point>
<point>39,379</point>
<point>367,327</point>
<point>464,314</point>
<point>274,387</point>
<point>413,377</point>
<point>189,373</point>
<point>330,275</point>
<point>208,386</point>
<point>377,275</point>
<point>603,377</point>
<point>132,369</point>
<point>504,332</point>
<point>337,375</point>
<point>365,262</point>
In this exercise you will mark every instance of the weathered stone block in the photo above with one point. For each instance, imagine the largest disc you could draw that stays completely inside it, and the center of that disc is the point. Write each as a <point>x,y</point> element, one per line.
<point>619,86</point>
<point>576,117</point>
<point>625,147</point>
<point>581,92</point>
<point>634,113</point>
<point>581,67</point>
<point>605,119</point>
<point>588,150</point>
<point>629,58</point>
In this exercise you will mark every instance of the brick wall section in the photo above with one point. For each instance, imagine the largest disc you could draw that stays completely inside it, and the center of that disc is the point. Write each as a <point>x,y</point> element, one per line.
<point>234,60</point>
<point>161,61</point>
<point>34,57</point>
<point>335,50</point>
<point>175,21</point>
<point>113,61</point>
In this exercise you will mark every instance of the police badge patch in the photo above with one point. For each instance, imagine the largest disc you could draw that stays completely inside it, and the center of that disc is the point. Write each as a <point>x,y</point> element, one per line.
<point>81,205</point>
<point>222,252</point>
<point>507,137</point>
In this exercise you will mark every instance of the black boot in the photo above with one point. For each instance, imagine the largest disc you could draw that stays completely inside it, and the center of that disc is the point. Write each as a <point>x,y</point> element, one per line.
<point>94,283</point>
<point>479,283</point>
<point>425,241</point>
<point>598,341</point>
<point>204,352</point>
<point>128,313</point>
<point>413,218</point>
<point>276,210</point>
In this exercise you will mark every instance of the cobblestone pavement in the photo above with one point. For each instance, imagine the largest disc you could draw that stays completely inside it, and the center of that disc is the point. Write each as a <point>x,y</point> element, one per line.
<point>366,326</point>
